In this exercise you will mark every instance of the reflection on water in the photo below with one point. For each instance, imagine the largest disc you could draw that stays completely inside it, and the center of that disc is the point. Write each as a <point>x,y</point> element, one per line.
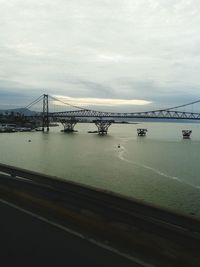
<point>161,168</point>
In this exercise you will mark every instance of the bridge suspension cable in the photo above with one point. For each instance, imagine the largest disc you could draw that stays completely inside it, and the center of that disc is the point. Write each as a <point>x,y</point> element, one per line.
<point>34,102</point>
<point>66,103</point>
<point>183,105</point>
<point>170,112</point>
<point>165,109</point>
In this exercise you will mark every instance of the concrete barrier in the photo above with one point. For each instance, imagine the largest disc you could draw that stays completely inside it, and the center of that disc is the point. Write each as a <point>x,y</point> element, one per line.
<point>126,222</point>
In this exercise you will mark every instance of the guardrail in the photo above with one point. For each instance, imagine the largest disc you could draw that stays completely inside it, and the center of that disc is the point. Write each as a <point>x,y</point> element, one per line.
<point>112,212</point>
<point>105,199</point>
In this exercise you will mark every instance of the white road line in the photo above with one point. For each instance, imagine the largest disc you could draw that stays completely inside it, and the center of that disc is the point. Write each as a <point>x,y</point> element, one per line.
<point>68,230</point>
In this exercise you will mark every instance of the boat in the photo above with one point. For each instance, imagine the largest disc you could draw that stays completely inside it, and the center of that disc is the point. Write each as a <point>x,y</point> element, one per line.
<point>7,128</point>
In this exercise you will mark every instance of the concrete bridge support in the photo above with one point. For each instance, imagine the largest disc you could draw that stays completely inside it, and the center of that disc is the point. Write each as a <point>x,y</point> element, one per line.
<point>186,133</point>
<point>103,126</point>
<point>69,124</point>
<point>141,132</point>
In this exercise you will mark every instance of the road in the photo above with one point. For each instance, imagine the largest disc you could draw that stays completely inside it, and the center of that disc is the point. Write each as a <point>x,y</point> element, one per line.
<point>30,240</point>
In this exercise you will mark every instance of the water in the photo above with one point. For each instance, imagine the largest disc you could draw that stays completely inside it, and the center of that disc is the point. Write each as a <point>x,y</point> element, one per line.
<point>160,168</point>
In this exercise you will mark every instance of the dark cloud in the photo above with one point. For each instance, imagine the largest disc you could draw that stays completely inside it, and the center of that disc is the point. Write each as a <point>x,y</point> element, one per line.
<point>86,88</point>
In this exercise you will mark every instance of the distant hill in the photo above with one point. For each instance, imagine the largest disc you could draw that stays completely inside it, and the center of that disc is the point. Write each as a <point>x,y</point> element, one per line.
<point>24,111</point>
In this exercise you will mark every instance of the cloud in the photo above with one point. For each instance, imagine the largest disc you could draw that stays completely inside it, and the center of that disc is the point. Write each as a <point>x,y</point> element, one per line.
<point>98,101</point>
<point>116,49</point>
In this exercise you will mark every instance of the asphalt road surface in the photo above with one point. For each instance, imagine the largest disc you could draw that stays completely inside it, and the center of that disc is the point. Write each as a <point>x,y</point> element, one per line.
<point>29,240</point>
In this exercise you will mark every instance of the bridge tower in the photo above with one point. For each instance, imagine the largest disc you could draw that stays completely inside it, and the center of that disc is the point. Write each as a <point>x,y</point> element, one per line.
<point>103,126</point>
<point>45,114</point>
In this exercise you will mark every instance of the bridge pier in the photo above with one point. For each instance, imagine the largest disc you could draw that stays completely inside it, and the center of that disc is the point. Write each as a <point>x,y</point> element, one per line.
<point>103,126</point>
<point>141,132</point>
<point>69,124</point>
<point>186,133</point>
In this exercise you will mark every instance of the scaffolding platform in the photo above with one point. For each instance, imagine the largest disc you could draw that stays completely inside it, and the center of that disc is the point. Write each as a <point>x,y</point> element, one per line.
<point>186,134</point>
<point>69,124</point>
<point>103,126</point>
<point>141,132</point>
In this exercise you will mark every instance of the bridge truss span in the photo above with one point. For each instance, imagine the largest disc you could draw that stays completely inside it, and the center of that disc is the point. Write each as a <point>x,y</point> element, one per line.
<point>157,114</point>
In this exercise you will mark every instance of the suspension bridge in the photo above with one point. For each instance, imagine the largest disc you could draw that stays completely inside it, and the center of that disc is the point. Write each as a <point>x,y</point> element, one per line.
<point>102,119</point>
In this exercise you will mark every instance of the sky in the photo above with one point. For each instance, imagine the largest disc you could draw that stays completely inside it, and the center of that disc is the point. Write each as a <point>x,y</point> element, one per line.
<point>120,55</point>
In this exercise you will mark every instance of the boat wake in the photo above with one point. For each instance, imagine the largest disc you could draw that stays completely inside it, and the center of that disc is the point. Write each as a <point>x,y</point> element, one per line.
<point>121,156</point>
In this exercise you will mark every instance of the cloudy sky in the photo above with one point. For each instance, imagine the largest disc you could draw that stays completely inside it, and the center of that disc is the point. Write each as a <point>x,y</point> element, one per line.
<point>117,54</point>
